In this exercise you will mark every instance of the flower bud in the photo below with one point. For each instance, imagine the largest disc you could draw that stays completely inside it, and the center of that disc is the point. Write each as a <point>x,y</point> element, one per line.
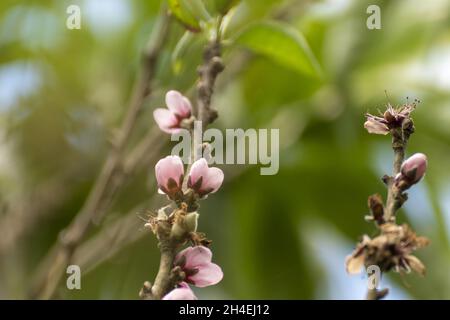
<point>184,224</point>
<point>414,167</point>
<point>190,221</point>
<point>169,173</point>
<point>203,179</point>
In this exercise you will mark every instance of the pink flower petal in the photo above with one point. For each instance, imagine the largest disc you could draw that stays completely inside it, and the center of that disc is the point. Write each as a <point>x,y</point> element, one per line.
<point>195,256</point>
<point>213,181</point>
<point>169,169</point>
<point>187,106</point>
<point>166,120</point>
<point>181,293</point>
<point>208,274</point>
<point>178,104</point>
<point>198,170</point>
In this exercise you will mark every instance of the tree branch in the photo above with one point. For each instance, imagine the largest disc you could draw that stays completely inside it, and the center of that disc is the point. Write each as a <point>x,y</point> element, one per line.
<point>395,195</point>
<point>212,66</point>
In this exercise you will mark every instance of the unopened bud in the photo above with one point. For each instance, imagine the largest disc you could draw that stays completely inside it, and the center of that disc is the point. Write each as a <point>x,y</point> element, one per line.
<point>184,224</point>
<point>190,221</point>
<point>414,167</point>
<point>177,231</point>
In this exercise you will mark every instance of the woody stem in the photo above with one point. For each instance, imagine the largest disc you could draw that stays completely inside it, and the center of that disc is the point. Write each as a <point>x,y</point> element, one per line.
<point>163,283</point>
<point>394,198</point>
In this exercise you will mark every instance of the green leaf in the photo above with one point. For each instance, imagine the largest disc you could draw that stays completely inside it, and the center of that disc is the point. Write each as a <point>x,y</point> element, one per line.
<point>180,50</point>
<point>183,12</point>
<point>223,6</point>
<point>281,43</point>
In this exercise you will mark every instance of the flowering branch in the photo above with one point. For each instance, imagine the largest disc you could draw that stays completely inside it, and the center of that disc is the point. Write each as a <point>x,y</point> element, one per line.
<point>176,224</point>
<point>393,247</point>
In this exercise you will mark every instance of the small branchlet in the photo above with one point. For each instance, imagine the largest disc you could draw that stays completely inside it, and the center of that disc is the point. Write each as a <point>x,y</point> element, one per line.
<point>392,248</point>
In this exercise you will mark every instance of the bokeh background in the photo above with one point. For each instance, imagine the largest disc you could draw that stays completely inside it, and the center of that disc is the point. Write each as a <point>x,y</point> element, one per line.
<point>63,92</point>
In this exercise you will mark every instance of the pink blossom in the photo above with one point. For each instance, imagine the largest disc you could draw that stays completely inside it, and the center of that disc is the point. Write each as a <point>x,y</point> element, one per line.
<point>197,265</point>
<point>204,180</point>
<point>414,167</point>
<point>179,108</point>
<point>169,173</point>
<point>178,104</point>
<point>183,292</point>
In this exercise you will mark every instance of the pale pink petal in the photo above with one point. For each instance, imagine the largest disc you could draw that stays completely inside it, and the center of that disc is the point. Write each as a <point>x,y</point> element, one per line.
<point>178,104</point>
<point>376,127</point>
<point>208,274</point>
<point>166,120</point>
<point>198,170</point>
<point>181,293</point>
<point>170,167</point>
<point>195,256</point>
<point>213,180</point>
<point>187,107</point>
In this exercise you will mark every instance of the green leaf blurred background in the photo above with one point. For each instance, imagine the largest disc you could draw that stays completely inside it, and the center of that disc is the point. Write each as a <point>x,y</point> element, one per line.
<point>310,68</point>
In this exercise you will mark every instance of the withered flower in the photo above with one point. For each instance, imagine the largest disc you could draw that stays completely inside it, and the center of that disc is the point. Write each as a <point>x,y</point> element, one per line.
<point>390,119</point>
<point>391,250</point>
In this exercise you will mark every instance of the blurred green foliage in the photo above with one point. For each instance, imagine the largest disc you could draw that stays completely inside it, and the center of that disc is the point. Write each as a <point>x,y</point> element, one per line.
<point>310,68</point>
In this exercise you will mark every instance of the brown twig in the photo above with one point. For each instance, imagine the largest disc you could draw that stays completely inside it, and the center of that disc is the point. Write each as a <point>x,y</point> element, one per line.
<point>208,72</point>
<point>394,195</point>
<point>110,178</point>
<point>22,216</point>
<point>394,199</point>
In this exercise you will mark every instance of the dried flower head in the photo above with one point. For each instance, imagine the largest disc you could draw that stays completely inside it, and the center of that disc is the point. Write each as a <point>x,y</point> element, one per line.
<point>392,118</point>
<point>390,250</point>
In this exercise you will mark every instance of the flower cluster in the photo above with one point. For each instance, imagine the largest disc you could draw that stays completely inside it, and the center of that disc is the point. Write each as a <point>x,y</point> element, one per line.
<point>202,179</point>
<point>192,265</point>
<point>392,249</point>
